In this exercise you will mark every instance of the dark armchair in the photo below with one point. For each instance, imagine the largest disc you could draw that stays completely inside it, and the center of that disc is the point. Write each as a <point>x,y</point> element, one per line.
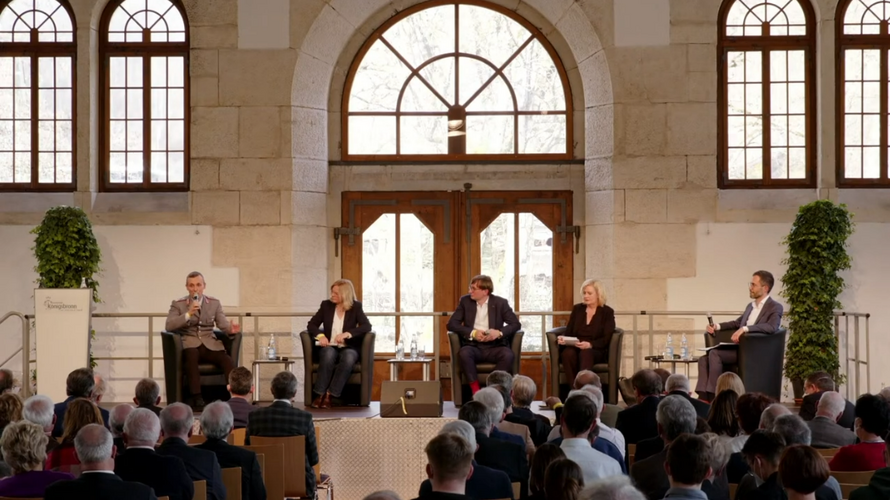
<point>362,376</point>
<point>608,372</point>
<point>174,376</point>
<point>459,380</point>
<point>761,357</point>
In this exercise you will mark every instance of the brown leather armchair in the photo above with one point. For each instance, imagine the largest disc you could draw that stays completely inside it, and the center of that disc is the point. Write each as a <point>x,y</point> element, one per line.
<point>608,372</point>
<point>362,377</point>
<point>457,374</point>
<point>211,375</point>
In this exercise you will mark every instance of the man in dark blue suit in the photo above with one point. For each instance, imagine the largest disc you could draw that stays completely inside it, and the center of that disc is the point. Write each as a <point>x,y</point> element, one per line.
<point>638,422</point>
<point>217,422</point>
<point>494,403</point>
<point>177,421</point>
<point>501,455</point>
<point>80,384</point>
<point>486,324</point>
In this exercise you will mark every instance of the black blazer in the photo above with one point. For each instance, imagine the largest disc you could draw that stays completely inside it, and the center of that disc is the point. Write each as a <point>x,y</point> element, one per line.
<point>500,317</point>
<point>538,425</point>
<point>252,487</point>
<point>166,475</point>
<point>650,477</point>
<point>354,322</point>
<point>241,409</point>
<point>811,402</point>
<point>154,409</point>
<point>648,447</point>
<point>200,465</point>
<point>485,484</point>
<point>637,422</point>
<point>281,419</point>
<point>602,325</point>
<point>98,486</point>
<point>701,408</point>
<point>506,457</point>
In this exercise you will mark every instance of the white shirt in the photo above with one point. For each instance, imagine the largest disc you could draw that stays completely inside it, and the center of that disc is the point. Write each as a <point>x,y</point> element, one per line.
<point>481,322</point>
<point>594,464</point>
<point>737,443</point>
<point>755,312</point>
<point>337,324</point>
<point>614,436</point>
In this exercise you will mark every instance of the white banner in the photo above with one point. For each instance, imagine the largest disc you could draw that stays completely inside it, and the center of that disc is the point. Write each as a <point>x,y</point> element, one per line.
<point>63,337</point>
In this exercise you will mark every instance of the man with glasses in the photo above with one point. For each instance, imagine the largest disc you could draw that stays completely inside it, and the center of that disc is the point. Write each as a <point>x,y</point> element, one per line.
<point>486,324</point>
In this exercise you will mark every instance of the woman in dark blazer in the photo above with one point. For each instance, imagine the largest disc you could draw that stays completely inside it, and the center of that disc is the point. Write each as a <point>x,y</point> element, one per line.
<point>593,323</point>
<point>338,327</point>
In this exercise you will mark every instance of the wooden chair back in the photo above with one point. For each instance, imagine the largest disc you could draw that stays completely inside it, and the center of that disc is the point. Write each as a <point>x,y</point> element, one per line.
<point>231,478</point>
<point>163,498</point>
<point>517,489</point>
<point>236,437</point>
<point>631,452</point>
<point>733,487</point>
<point>827,452</point>
<point>294,463</point>
<point>200,490</point>
<point>197,439</point>
<point>317,467</point>
<point>847,489</point>
<point>271,458</point>
<point>859,477</point>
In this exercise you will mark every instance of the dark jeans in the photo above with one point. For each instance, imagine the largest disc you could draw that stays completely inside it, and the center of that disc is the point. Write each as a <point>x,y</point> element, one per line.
<point>575,360</point>
<point>334,368</point>
<point>194,356</point>
<point>710,368</point>
<point>470,356</point>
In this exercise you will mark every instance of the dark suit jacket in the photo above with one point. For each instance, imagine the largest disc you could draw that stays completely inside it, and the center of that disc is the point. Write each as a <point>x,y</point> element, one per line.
<point>828,434</point>
<point>118,443</point>
<point>637,422</point>
<point>241,409</point>
<point>59,411</point>
<point>602,325</point>
<point>811,403</point>
<point>701,408</point>
<point>166,475</point>
<point>252,487</point>
<point>648,447</point>
<point>485,484</point>
<point>650,477</point>
<point>767,322</point>
<point>354,322</point>
<point>98,486</point>
<point>500,317</point>
<point>538,425</point>
<point>281,419</point>
<point>506,436</point>
<point>200,464</point>
<point>772,489</point>
<point>155,409</point>
<point>505,457</point>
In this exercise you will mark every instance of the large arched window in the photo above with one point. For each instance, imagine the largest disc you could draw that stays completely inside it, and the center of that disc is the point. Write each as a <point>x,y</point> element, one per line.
<point>863,40</point>
<point>766,100</point>
<point>37,52</point>
<point>457,81</point>
<point>145,106</point>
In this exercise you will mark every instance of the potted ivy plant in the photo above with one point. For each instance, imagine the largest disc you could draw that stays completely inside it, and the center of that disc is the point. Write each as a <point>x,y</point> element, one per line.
<point>816,253</point>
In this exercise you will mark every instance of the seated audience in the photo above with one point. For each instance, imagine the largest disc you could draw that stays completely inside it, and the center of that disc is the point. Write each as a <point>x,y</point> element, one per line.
<point>177,422</point>
<point>716,485</point>
<point>730,380</point>
<point>611,488</point>
<point>675,416</point>
<point>79,384</point>
<point>879,486</point>
<point>494,402</point>
<point>638,422</point>
<point>97,481</point>
<point>241,387</point>
<point>148,396</point>
<point>872,422</point>
<point>664,375</point>
<point>722,417</point>
<point>762,451</point>
<point>599,444</point>
<point>604,432</point>
<point>814,387</point>
<point>485,483</point>
<point>501,455</point>
<point>167,475</point>
<point>449,465</point>
<point>80,413</point>
<point>383,495</point>
<point>771,413</point>
<point>678,385</point>
<point>217,422</point>
<point>512,427</point>
<point>802,471</point>
<point>38,409</point>
<point>116,420</point>
<point>578,420</point>
<point>749,409</point>
<point>281,419</point>
<point>524,391</point>
<point>701,426</point>
<point>544,456</point>
<point>23,445</point>
<point>687,467</point>
<point>794,431</point>
<point>10,409</point>
<point>826,431</point>
<point>563,480</point>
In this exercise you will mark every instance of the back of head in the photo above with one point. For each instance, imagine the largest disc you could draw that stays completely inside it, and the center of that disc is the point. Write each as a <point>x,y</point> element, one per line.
<point>597,394</point>
<point>814,377</point>
<point>611,488</point>
<point>824,383</point>
<point>10,408</point>
<point>718,451</point>
<point>802,469</point>
<point>7,380</point>
<point>383,495</point>
<point>477,415</point>
<point>676,416</point>
<point>544,455</point>
<point>793,430</point>
<point>647,382</point>
<point>217,420</point>
<point>749,409</point>
<point>23,445</point>
<point>831,405</point>
<point>501,378</point>
<point>677,382</point>
<point>767,444</point>
<point>874,414</point>
<point>721,415</point>
<point>39,409</point>
<point>524,391</point>
<point>118,417</point>
<point>586,377</point>
<point>578,415</point>
<point>493,401</point>
<point>99,387</point>
<point>462,429</point>
<point>688,458</point>
<point>147,392</point>
<point>563,479</point>
<point>240,381</point>
<point>885,394</point>
<point>80,413</point>
<point>450,457</point>
<point>177,420</point>
<point>505,395</point>
<point>93,444</point>
<point>730,380</point>
<point>142,427</point>
<point>701,426</point>
<point>284,386</point>
<point>80,383</point>
<point>664,375</point>
<point>771,413</point>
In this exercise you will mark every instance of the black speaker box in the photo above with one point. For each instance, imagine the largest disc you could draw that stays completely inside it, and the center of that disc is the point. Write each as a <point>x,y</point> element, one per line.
<point>411,398</point>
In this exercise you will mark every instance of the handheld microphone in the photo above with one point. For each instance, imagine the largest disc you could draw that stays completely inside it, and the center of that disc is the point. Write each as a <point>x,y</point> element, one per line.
<point>710,319</point>
<point>195,298</point>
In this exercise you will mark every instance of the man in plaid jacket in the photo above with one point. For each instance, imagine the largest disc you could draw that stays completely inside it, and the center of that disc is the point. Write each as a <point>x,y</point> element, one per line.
<point>281,419</point>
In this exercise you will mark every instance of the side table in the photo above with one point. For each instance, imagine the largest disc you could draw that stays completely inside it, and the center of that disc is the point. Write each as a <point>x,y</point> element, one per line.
<point>288,365</point>
<point>394,367</point>
<point>658,360</point>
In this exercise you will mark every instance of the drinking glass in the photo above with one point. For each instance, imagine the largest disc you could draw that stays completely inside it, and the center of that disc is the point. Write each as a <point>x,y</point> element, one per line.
<point>421,351</point>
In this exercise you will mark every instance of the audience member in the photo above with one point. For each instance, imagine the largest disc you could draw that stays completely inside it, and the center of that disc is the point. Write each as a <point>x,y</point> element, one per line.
<point>678,384</point>
<point>802,471</point>
<point>730,380</point>
<point>38,409</point>
<point>10,409</point>
<point>97,480</point>
<point>611,488</point>
<point>512,427</point>
<point>524,392</point>
<point>449,465</point>
<point>675,416</point>
<point>148,396</point>
<point>383,495</point>
<point>23,445</point>
<point>281,419</point>
<point>794,430</point>
<point>826,432</point>
<point>771,413</point>
<point>177,422</point>
<point>578,419</point>
<point>872,421</point>
<point>879,486</point>
<point>716,486</point>
<point>884,394</point>
<point>544,456</point>
<point>563,480</point>
<point>749,409</point>
<point>814,387</point>
<point>664,375</point>
<point>79,384</point>
<point>217,422</point>
<point>241,387</point>
<point>638,422</point>
<point>167,475</point>
<point>702,427</point>
<point>99,388</point>
<point>494,403</point>
<point>687,467</point>
<point>80,413</point>
<point>762,451</point>
<point>116,420</point>
<point>722,416</point>
<point>501,455</point>
<point>604,432</point>
<point>485,483</point>
<point>7,381</point>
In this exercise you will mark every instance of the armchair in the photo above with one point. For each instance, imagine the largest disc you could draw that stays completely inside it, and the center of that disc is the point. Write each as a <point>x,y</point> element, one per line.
<point>459,380</point>
<point>608,372</point>
<point>761,357</point>
<point>362,376</point>
<point>174,376</point>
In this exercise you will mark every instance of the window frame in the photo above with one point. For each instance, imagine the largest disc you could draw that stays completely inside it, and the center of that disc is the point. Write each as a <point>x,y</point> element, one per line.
<point>145,50</point>
<point>457,157</point>
<point>35,50</point>
<point>765,44</point>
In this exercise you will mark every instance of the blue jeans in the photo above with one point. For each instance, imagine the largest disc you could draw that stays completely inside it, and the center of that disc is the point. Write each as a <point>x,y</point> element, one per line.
<point>334,368</point>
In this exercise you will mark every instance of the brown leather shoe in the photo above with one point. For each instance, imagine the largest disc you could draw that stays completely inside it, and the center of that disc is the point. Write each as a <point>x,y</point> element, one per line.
<point>316,403</point>
<point>325,401</point>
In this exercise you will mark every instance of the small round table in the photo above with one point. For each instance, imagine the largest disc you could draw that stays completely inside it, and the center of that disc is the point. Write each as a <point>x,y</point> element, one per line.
<point>394,367</point>
<point>659,359</point>
<point>288,366</point>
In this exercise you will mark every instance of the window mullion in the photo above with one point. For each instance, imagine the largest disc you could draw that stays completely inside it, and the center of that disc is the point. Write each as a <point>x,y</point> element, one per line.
<point>146,120</point>
<point>35,123</point>
<point>883,117</point>
<point>767,119</point>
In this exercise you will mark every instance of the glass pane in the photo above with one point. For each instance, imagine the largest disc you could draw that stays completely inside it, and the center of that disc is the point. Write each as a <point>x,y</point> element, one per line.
<point>175,135</point>
<point>489,34</point>
<point>175,167</point>
<point>133,16</point>
<point>497,244</point>
<point>542,134</point>
<point>419,97</point>
<point>440,74</point>
<point>864,17</point>
<point>416,268</point>
<point>370,135</point>
<point>379,279</point>
<point>424,135</point>
<point>490,134</point>
<point>785,17</point>
<point>159,167</point>
<point>48,17</point>
<point>496,96</point>
<point>473,73</point>
<point>535,278</point>
<point>535,80</point>
<point>424,34</point>
<point>378,80</point>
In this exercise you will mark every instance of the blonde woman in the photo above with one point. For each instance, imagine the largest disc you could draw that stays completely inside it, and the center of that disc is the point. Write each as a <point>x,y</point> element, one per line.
<point>338,327</point>
<point>730,380</point>
<point>592,322</point>
<point>24,448</point>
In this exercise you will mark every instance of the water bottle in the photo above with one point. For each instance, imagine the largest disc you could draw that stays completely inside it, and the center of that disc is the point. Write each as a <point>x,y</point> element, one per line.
<point>83,282</point>
<point>414,346</point>
<point>400,353</point>
<point>273,352</point>
<point>669,347</point>
<point>684,347</point>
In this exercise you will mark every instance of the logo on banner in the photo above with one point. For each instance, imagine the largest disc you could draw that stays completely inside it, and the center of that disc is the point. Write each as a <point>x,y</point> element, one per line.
<point>53,305</point>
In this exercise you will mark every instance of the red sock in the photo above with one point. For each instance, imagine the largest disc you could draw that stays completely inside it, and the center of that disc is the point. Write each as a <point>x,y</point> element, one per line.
<point>474,386</point>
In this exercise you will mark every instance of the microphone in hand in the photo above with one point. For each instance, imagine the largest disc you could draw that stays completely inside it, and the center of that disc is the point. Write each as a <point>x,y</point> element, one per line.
<point>711,326</point>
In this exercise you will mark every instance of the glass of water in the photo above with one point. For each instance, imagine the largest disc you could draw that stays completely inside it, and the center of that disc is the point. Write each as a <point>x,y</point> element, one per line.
<point>264,352</point>
<point>421,352</point>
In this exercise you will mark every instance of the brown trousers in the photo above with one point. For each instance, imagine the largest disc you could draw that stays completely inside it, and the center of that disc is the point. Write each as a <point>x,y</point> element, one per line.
<point>194,356</point>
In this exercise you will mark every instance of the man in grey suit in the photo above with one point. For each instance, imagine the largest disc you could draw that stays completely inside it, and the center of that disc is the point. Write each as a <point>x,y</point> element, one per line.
<point>826,432</point>
<point>194,316</point>
<point>763,315</point>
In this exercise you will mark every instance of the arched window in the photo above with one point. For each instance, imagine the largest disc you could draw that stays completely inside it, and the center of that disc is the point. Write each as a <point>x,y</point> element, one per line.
<point>145,105</point>
<point>37,51</point>
<point>767,71</point>
<point>863,42</point>
<point>453,81</point>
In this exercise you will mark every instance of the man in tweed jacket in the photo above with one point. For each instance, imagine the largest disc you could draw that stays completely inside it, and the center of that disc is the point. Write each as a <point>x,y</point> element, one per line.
<point>281,419</point>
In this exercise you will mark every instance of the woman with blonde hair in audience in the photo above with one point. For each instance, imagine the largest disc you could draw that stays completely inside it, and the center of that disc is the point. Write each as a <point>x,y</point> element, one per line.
<point>543,457</point>
<point>802,471</point>
<point>24,449</point>
<point>10,409</point>
<point>81,412</point>
<point>563,480</point>
<point>730,380</point>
